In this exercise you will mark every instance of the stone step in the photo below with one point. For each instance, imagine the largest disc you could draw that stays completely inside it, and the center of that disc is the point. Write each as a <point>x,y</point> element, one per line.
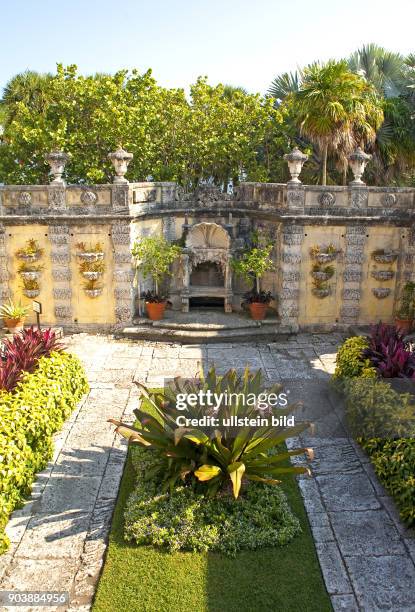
<point>268,333</point>
<point>242,323</point>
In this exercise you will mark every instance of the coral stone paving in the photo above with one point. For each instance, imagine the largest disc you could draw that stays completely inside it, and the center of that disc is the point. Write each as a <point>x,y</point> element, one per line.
<point>59,537</point>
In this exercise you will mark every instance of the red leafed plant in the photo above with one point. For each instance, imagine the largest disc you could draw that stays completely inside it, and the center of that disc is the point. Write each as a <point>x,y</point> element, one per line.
<point>10,374</point>
<point>22,352</point>
<point>389,353</point>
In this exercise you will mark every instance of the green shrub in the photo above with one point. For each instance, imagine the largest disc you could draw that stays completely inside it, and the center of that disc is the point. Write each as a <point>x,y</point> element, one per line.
<point>394,462</point>
<point>29,416</point>
<point>374,409</point>
<point>350,363</point>
<point>187,520</point>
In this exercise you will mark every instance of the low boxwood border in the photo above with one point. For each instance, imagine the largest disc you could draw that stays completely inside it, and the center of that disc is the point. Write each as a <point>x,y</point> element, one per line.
<point>29,416</point>
<point>374,407</point>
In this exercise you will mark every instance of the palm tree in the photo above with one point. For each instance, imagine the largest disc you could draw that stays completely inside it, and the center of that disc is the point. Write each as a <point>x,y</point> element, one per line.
<point>335,109</point>
<point>384,69</point>
<point>284,85</point>
<point>29,87</point>
<point>394,78</point>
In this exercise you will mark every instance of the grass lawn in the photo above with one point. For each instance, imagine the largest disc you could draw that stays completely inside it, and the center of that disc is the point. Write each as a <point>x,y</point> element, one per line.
<point>140,578</point>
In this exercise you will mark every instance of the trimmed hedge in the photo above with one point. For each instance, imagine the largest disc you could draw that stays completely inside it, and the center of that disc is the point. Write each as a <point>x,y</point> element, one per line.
<point>374,408</point>
<point>29,416</point>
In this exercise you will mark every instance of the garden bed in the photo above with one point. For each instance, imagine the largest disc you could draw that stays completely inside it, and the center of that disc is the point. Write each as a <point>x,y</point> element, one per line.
<point>371,373</point>
<point>167,553</point>
<point>146,578</point>
<point>44,384</point>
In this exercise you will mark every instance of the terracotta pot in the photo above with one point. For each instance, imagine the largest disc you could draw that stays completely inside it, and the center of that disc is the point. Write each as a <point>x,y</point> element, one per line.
<point>155,310</point>
<point>404,325</point>
<point>258,310</point>
<point>14,325</point>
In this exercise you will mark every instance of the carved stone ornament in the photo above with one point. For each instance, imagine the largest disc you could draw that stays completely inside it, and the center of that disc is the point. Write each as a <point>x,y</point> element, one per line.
<point>207,195</point>
<point>295,196</point>
<point>381,292</point>
<point>56,198</point>
<point>295,161</point>
<point>183,196</point>
<point>57,161</point>
<point>388,199</point>
<point>207,235</point>
<point>359,198</point>
<point>25,198</point>
<point>357,162</point>
<point>120,160</point>
<point>89,198</point>
<point>208,242</point>
<point>326,198</point>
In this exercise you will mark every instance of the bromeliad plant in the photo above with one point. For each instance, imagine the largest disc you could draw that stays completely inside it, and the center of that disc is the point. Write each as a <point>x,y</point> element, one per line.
<point>213,460</point>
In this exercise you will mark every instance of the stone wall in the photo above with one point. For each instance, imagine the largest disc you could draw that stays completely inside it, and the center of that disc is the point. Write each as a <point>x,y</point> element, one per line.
<point>356,219</point>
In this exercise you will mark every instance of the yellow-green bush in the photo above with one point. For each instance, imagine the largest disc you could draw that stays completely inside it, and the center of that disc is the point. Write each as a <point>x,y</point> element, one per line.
<point>29,416</point>
<point>350,361</point>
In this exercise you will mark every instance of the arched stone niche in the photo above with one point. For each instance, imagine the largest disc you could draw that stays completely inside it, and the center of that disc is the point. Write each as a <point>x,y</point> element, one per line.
<point>207,242</point>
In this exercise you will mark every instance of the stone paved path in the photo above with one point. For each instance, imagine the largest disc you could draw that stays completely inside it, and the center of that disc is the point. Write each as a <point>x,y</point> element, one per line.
<point>59,537</point>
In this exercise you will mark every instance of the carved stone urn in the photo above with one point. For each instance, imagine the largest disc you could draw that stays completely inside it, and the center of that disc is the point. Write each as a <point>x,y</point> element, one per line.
<point>120,160</point>
<point>57,161</point>
<point>357,162</point>
<point>296,160</point>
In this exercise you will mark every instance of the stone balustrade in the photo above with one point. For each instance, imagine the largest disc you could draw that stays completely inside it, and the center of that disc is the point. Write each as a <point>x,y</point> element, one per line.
<point>356,219</point>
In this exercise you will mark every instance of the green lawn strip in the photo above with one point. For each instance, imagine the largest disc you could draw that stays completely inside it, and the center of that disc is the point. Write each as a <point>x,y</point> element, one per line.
<point>141,578</point>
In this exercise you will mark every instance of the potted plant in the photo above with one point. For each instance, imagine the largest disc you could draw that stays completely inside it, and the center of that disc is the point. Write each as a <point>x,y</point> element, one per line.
<point>322,273</point>
<point>154,256</point>
<point>30,252</point>
<point>405,314</point>
<point>13,315</point>
<point>384,256</point>
<point>92,270</point>
<point>93,288</point>
<point>381,292</point>
<point>321,289</point>
<point>29,271</point>
<point>31,288</point>
<point>324,254</point>
<point>252,266</point>
<point>90,252</point>
<point>383,275</point>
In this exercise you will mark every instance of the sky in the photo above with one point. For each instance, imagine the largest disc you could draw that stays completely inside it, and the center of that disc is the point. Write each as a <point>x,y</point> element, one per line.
<point>240,42</point>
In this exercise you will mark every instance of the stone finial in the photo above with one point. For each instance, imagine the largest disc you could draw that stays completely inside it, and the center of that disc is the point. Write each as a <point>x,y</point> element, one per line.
<point>295,160</point>
<point>120,160</point>
<point>57,161</point>
<point>357,161</point>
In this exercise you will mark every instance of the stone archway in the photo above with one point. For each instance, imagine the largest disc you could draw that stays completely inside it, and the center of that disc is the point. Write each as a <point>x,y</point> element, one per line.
<point>207,242</point>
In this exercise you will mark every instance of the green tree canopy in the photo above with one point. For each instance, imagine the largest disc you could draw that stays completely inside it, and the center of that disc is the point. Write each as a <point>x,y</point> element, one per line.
<point>218,132</point>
